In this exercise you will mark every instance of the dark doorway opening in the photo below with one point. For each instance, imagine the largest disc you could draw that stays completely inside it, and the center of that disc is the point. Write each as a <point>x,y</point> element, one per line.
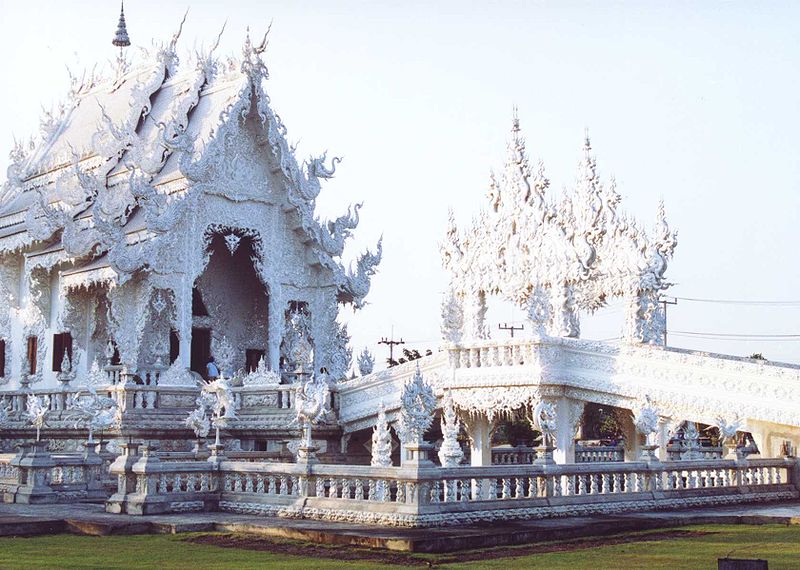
<point>174,346</point>
<point>62,344</point>
<point>201,350</point>
<point>252,358</point>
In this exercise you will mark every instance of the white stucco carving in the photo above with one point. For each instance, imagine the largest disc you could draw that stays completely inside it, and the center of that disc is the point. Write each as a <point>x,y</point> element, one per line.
<point>381,441</point>
<point>450,453</point>
<point>416,413</point>
<point>555,259</point>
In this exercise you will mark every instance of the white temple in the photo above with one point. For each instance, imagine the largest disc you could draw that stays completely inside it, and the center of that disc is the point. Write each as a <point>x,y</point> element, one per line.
<point>161,218</point>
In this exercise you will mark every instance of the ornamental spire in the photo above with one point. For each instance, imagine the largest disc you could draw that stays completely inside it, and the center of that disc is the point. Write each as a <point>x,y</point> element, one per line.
<point>121,38</point>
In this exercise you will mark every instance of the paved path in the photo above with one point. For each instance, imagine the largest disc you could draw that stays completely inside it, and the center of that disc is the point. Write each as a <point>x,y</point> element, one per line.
<point>26,520</point>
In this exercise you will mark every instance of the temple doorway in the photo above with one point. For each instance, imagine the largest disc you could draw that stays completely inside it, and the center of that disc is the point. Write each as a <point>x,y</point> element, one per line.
<point>201,350</point>
<point>230,307</point>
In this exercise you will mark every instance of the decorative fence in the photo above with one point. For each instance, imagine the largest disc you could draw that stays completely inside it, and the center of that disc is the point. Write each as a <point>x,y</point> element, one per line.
<point>599,453</point>
<point>434,496</point>
<point>486,354</point>
<point>142,397</point>
<point>35,476</point>
<point>674,452</point>
<point>516,455</point>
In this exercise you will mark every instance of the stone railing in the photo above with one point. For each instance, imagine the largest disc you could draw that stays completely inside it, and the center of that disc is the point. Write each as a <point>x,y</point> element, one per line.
<point>433,496</point>
<point>113,374</point>
<point>138,397</point>
<point>674,452</point>
<point>9,474</point>
<point>35,476</point>
<point>491,353</point>
<point>517,455</point>
<point>279,396</point>
<point>599,453</point>
<point>55,399</point>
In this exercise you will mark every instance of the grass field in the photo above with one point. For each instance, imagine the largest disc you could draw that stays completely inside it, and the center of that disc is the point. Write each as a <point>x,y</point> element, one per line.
<point>780,545</point>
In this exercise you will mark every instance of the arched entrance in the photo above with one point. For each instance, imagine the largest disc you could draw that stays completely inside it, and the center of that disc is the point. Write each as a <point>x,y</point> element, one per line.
<point>230,307</point>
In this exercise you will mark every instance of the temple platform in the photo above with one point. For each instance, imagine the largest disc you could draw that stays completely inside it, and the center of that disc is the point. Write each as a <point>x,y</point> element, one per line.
<point>90,519</point>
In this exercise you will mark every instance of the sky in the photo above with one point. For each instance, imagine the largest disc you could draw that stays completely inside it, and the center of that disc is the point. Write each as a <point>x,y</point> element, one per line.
<point>692,102</point>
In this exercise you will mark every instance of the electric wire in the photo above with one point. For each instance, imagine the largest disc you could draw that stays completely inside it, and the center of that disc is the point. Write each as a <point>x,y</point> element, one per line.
<point>741,302</point>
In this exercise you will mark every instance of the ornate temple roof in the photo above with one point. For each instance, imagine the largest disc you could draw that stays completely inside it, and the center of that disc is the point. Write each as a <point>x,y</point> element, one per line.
<point>122,154</point>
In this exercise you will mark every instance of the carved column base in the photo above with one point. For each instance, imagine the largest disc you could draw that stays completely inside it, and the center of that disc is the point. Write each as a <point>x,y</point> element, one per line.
<point>649,454</point>
<point>200,449</point>
<point>544,455</point>
<point>307,454</point>
<point>92,466</point>
<point>416,455</point>
<point>217,453</point>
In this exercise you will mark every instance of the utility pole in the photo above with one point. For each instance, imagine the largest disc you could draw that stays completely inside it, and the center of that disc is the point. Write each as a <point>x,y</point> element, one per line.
<point>667,301</point>
<point>511,327</point>
<point>391,343</point>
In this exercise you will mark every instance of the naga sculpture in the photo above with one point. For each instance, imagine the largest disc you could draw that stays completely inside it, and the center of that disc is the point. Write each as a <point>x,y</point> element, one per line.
<point>216,400</point>
<point>94,412</point>
<point>544,419</point>
<point>727,432</point>
<point>645,419</point>
<point>311,405</point>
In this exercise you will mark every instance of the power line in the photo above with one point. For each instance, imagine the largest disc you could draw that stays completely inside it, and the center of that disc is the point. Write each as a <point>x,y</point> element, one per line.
<point>778,335</point>
<point>741,302</point>
<point>737,336</point>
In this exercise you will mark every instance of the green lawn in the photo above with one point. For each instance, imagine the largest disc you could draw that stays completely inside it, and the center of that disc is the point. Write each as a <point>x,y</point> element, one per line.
<point>778,544</point>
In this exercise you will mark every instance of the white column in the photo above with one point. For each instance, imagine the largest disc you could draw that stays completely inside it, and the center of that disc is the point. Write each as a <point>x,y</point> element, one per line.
<point>183,310</point>
<point>568,417</point>
<point>633,446</point>
<point>663,437</point>
<point>275,325</point>
<point>479,429</point>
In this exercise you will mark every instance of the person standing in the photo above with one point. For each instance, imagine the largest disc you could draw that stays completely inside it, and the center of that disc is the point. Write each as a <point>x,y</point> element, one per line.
<point>212,372</point>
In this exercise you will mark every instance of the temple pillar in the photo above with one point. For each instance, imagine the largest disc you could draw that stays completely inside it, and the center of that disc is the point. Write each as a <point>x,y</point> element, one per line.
<point>633,444</point>
<point>183,317</point>
<point>275,327</point>
<point>663,436</point>
<point>479,430</point>
<point>568,418</point>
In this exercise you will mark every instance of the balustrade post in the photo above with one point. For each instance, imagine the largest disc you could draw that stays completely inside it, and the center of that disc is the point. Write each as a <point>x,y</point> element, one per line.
<point>126,481</point>
<point>92,466</point>
<point>34,464</point>
<point>792,471</point>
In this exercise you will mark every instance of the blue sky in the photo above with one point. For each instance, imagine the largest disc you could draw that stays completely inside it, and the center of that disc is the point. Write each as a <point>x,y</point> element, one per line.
<point>695,103</point>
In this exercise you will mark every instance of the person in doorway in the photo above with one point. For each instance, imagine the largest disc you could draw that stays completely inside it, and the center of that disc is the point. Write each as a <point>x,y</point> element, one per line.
<point>212,372</point>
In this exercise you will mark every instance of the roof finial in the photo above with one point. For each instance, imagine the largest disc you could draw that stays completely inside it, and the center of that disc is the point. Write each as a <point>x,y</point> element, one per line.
<point>121,38</point>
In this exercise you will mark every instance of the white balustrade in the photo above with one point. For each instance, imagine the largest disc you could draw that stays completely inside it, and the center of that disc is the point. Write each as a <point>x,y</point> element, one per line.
<point>419,497</point>
<point>599,453</point>
<point>486,354</point>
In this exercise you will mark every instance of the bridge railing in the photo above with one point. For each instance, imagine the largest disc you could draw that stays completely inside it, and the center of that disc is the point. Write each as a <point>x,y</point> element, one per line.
<point>599,453</point>
<point>491,353</point>
<point>434,496</point>
<point>34,475</point>
<point>513,455</point>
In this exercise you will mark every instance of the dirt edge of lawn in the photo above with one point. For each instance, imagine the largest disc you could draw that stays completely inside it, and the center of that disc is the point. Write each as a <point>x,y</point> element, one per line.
<point>350,553</point>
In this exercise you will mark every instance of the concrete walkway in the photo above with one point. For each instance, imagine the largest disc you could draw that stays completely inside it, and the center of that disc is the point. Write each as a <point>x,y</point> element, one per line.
<point>29,520</point>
